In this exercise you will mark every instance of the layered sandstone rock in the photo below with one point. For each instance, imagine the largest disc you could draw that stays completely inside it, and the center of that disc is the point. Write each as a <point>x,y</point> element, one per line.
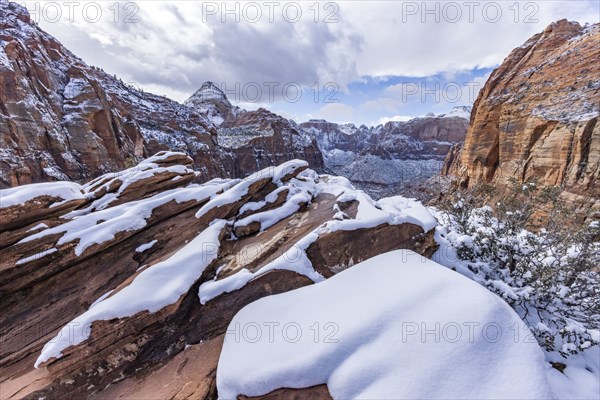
<point>536,119</point>
<point>56,121</point>
<point>148,269</point>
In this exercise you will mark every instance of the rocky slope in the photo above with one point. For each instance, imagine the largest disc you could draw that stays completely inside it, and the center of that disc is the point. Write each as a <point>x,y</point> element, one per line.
<point>252,139</point>
<point>409,152</point>
<point>537,116</point>
<point>125,286</point>
<point>55,118</point>
<point>62,119</point>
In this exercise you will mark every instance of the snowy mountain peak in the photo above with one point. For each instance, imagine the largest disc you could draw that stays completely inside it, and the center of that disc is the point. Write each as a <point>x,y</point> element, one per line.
<point>207,92</point>
<point>211,102</point>
<point>460,111</point>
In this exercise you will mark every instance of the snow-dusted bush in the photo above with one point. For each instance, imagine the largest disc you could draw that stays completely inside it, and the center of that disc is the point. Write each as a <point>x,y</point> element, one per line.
<point>529,249</point>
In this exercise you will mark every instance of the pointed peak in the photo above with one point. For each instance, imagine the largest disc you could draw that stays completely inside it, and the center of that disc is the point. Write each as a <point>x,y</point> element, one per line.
<point>209,91</point>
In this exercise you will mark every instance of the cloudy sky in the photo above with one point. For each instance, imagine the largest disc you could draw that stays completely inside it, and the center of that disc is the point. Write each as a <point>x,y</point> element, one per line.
<point>359,61</point>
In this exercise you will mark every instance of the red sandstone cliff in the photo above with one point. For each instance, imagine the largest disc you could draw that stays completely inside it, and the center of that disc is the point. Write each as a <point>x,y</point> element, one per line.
<point>537,116</point>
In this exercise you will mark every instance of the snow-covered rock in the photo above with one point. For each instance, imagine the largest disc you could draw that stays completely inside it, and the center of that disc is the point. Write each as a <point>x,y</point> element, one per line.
<point>143,263</point>
<point>397,326</point>
<point>60,191</point>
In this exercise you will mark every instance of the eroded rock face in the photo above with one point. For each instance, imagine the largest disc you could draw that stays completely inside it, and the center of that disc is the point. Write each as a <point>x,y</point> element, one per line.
<point>537,116</point>
<point>62,119</point>
<point>56,121</point>
<point>409,152</point>
<point>93,268</point>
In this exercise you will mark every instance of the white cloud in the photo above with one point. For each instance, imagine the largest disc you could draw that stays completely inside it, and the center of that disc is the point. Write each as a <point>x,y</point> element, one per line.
<point>336,112</point>
<point>387,104</point>
<point>397,41</point>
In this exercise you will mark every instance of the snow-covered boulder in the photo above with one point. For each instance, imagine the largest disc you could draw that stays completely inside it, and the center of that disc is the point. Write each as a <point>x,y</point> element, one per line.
<point>395,326</point>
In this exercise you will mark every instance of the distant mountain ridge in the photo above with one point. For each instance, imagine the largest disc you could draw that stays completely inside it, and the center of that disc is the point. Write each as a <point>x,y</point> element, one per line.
<point>390,158</point>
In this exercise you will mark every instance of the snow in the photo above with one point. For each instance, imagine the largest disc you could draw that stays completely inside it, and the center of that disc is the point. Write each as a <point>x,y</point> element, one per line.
<point>392,210</point>
<point>41,225</point>
<point>348,129</point>
<point>368,167</point>
<point>144,170</point>
<point>56,173</point>
<point>75,88</point>
<point>336,185</point>
<point>4,61</point>
<point>145,246</point>
<point>294,260</point>
<point>239,136</point>
<point>211,289</point>
<point>101,226</point>
<point>395,326</point>
<point>299,192</point>
<point>271,217</point>
<point>65,191</point>
<point>101,298</point>
<point>460,112</point>
<point>215,119</point>
<point>239,190</point>
<point>208,91</point>
<point>579,379</point>
<point>154,288</point>
<point>161,156</point>
<point>280,171</point>
<point>257,205</point>
<point>36,256</point>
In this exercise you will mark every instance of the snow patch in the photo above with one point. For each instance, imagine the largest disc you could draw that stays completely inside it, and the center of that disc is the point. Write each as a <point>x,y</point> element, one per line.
<point>36,256</point>
<point>145,246</point>
<point>37,227</point>
<point>239,190</point>
<point>65,191</point>
<point>294,259</point>
<point>101,226</point>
